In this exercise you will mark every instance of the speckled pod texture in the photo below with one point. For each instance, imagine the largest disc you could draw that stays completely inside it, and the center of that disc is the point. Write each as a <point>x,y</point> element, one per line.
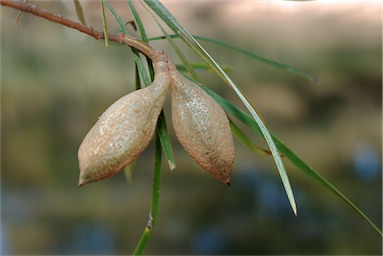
<point>202,127</point>
<point>122,132</point>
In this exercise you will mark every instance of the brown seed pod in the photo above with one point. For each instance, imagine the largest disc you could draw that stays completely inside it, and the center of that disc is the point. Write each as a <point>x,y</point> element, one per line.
<point>202,127</point>
<point>123,131</point>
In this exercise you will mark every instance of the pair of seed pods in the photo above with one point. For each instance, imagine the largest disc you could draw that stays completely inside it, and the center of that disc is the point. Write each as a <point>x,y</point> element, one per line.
<point>126,128</point>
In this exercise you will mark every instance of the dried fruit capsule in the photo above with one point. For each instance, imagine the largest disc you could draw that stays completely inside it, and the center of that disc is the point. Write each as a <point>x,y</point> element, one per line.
<point>202,127</point>
<point>123,131</point>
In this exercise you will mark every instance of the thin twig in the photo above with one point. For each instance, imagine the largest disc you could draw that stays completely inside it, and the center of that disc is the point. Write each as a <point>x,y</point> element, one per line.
<point>120,38</point>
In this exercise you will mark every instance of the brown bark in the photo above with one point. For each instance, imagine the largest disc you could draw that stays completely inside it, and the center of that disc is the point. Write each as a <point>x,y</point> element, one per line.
<point>120,38</point>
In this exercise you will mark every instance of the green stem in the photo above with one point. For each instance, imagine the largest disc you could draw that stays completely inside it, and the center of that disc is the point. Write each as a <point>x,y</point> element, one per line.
<point>155,201</point>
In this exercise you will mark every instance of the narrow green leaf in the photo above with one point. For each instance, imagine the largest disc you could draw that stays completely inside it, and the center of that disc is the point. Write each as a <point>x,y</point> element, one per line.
<point>245,140</point>
<point>141,67</point>
<point>105,26</point>
<point>156,180</point>
<point>79,12</point>
<point>170,20</point>
<point>188,66</point>
<point>137,78</point>
<point>136,56</point>
<point>203,67</point>
<point>138,20</point>
<point>264,60</point>
<point>180,55</point>
<point>155,201</point>
<point>252,55</point>
<point>116,17</point>
<point>142,31</point>
<point>162,130</point>
<point>288,153</point>
<point>162,139</point>
<point>250,121</point>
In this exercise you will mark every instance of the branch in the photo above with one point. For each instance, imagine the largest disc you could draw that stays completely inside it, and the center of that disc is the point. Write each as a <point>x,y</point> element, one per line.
<point>120,38</point>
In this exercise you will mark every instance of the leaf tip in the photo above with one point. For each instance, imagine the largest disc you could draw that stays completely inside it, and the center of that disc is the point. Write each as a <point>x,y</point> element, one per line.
<point>295,212</point>
<point>172,165</point>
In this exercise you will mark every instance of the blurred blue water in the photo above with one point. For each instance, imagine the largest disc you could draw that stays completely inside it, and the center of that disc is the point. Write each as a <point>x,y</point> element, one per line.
<point>22,211</point>
<point>91,239</point>
<point>209,241</point>
<point>366,162</point>
<point>4,243</point>
<point>268,190</point>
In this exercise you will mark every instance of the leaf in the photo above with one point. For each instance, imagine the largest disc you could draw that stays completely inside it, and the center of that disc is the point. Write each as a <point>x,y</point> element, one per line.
<point>142,31</point>
<point>289,154</point>
<point>252,55</point>
<point>179,53</point>
<point>136,56</point>
<point>105,26</point>
<point>162,130</point>
<point>116,17</point>
<point>79,12</point>
<point>203,66</point>
<point>264,60</point>
<point>163,133</point>
<point>246,141</point>
<point>170,20</point>
<point>155,201</point>
<point>138,20</point>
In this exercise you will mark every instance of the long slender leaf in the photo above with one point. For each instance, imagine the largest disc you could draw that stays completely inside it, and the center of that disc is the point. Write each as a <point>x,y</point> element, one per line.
<point>162,130</point>
<point>136,56</point>
<point>117,17</point>
<point>171,21</point>
<point>79,12</point>
<point>155,201</point>
<point>142,31</point>
<point>257,57</point>
<point>245,140</point>
<point>203,67</point>
<point>252,55</point>
<point>244,117</point>
<point>188,66</point>
<point>163,133</point>
<point>288,153</point>
<point>138,20</point>
<point>104,23</point>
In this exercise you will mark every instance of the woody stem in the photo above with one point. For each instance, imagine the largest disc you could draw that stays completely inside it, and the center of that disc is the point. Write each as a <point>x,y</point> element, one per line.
<point>120,38</point>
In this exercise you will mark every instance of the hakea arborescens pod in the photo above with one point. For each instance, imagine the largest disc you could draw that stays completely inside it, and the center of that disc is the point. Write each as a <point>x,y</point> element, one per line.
<point>124,130</point>
<point>202,127</point>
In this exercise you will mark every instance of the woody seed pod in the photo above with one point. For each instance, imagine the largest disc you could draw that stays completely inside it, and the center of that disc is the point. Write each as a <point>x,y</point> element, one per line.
<point>123,131</point>
<point>202,127</point>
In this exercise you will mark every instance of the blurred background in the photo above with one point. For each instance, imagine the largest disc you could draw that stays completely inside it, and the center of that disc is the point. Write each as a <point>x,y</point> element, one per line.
<point>56,82</point>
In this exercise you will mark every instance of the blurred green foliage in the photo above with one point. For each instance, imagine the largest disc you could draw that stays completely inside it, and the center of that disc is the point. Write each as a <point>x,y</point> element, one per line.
<point>56,82</point>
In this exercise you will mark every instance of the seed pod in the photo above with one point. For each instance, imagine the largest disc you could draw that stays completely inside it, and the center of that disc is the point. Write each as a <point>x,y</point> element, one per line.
<point>202,127</point>
<point>123,131</point>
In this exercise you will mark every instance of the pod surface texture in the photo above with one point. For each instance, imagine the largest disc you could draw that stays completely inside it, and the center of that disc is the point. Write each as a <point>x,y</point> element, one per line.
<point>122,132</point>
<point>202,127</point>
